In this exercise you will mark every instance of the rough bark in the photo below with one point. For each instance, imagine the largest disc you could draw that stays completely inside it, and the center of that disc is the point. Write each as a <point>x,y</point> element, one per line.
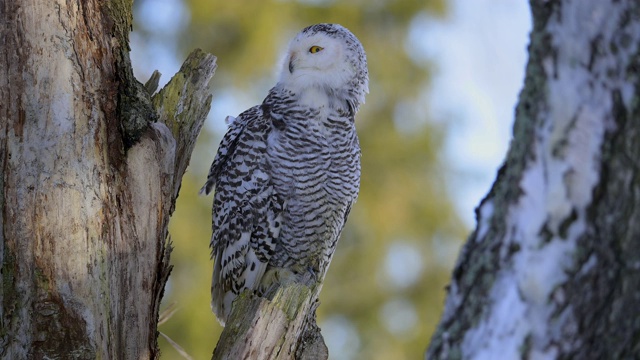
<point>553,267</point>
<point>89,181</point>
<point>282,326</point>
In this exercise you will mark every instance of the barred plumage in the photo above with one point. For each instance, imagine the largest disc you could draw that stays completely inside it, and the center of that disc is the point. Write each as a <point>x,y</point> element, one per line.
<point>288,171</point>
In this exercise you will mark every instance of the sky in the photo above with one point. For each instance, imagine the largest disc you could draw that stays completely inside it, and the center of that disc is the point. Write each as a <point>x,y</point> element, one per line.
<point>479,51</point>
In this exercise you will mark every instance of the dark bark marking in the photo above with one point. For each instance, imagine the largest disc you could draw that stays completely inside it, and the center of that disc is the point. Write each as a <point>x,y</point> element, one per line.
<point>59,332</point>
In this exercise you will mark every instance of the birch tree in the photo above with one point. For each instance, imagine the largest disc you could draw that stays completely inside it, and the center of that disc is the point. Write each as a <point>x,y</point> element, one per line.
<point>91,165</point>
<point>552,269</point>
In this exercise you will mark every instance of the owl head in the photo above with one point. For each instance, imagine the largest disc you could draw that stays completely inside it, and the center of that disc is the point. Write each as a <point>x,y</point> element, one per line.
<point>329,59</point>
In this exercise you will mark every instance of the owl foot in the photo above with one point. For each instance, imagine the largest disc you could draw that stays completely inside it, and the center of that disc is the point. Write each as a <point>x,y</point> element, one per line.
<point>274,278</point>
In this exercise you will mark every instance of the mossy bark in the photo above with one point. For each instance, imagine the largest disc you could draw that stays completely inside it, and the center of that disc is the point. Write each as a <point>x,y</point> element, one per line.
<point>281,327</point>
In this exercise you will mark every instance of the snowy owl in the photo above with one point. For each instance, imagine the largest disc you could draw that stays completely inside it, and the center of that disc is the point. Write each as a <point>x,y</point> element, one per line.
<point>288,170</point>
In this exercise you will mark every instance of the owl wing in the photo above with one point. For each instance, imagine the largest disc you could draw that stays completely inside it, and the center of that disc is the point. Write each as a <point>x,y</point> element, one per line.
<point>227,146</point>
<point>247,212</point>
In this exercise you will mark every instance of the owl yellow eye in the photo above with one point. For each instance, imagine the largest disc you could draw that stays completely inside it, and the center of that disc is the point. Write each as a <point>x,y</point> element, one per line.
<point>314,49</point>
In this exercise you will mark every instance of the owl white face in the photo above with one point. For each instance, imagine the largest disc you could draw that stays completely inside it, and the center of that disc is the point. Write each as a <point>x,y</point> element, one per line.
<point>316,60</point>
<point>326,66</point>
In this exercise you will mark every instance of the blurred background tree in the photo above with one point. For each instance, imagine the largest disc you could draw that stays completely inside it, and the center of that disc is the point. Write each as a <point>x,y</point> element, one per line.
<point>384,291</point>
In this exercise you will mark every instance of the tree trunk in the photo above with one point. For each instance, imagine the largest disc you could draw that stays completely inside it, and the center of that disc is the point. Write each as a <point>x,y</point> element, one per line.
<point>553,267</point>
<point>89,181</point>
<point>282,327</point>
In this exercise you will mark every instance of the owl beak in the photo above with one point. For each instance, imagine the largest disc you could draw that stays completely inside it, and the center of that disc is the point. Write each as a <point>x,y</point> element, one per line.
<point>292,59</point>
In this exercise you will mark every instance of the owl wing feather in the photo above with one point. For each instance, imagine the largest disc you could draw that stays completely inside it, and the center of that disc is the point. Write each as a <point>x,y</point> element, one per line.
<point>227,145</point>
<point>247,212</point>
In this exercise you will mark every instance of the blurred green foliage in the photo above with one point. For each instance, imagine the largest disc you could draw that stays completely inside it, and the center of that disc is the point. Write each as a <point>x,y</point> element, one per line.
<point>403,220</point>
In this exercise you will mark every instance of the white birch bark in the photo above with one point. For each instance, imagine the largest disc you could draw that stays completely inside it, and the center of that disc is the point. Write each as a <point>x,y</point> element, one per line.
<point>553,267</point>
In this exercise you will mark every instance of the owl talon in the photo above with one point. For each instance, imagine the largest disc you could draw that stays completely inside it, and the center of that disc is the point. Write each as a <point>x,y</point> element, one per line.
<point>309,277</point>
